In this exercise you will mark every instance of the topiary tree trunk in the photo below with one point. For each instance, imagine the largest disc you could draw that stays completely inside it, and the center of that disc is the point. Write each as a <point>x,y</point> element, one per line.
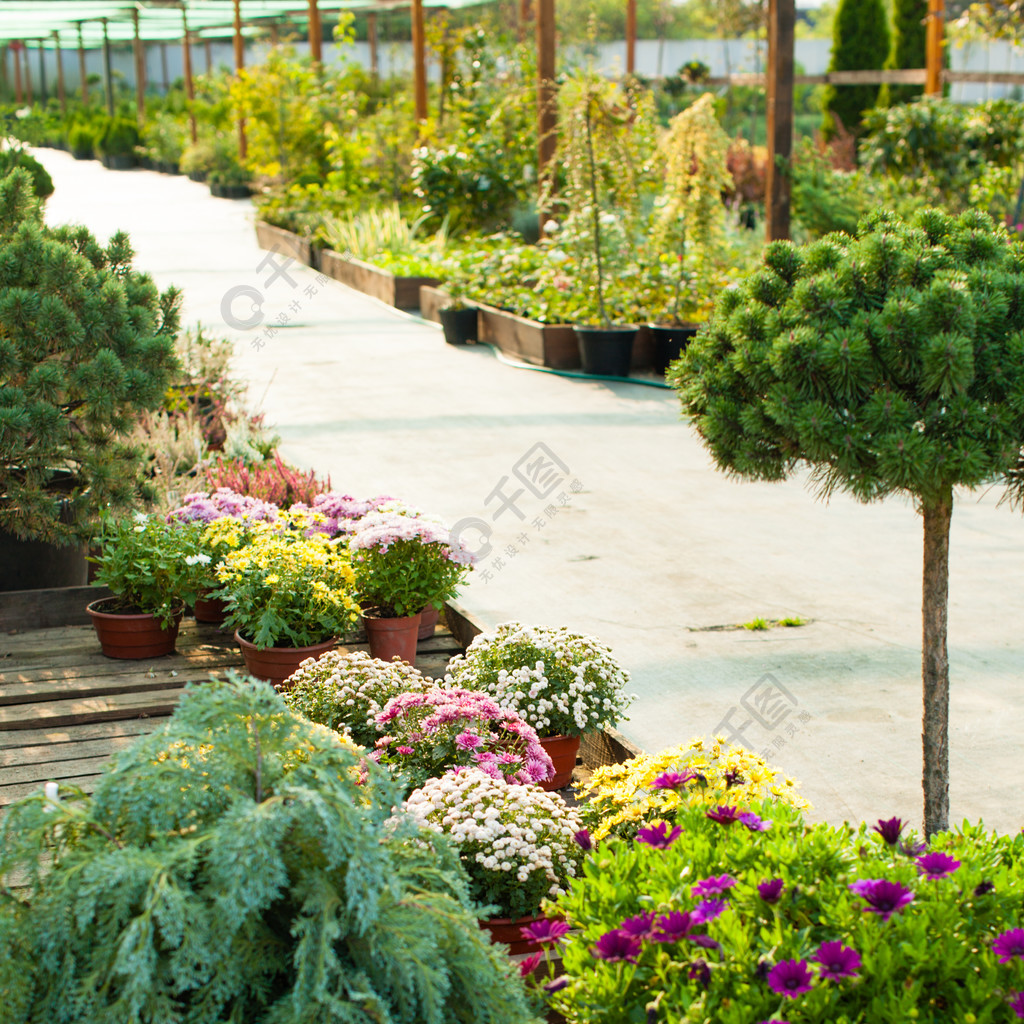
<point>860,42</point>
<point>890,363</point>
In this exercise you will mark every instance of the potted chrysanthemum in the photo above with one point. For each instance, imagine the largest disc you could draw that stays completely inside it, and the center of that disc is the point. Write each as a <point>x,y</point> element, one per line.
<point>563,683</point>
<point>430,732</point>
<point>404,561</point>
<point>518,844</point>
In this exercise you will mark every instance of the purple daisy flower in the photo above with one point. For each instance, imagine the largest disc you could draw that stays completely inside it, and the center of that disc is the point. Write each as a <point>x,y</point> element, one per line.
<point>983,888</point>
<point>724,815</point>
<point>771,890</point>
<point>583,840</point>
<point>530,964</point>
<point>936,865</point>
<point>708,910</point>
<point>732,778</point>
<point>557,985</point>
<point>1017,1004</point>
<point>837,961</point>
<point>673,780</point>
<point>674,926</point>
<point>754,823</point>
<point>716,885</point>
<point>613,946</point>
<point>913,849</point>
<point>704,941</point>
<point>640,927</point>
<point>699,972</point>
<point>791,978</point>
<point>659,836</point>
<point>1009,945</point>
<point>544,931</point>
<point>889,829</point>
<point>885,897</point>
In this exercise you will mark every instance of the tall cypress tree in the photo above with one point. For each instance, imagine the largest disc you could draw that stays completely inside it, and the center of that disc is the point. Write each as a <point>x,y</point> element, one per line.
<point>908,49</point>
<point>860,42</point>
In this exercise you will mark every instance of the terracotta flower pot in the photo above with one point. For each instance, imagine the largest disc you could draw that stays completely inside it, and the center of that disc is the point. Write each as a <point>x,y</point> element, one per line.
<point>429,618</point>
<point>390,638</point>
<point>276,664</point>
<point>210,609</point>
<point>507,930</point>
<point>562,750</point>
<point>132,636</point>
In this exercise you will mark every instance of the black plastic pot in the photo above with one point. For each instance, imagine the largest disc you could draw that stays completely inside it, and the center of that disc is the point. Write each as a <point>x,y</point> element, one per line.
<point>34,565</point>
<point>606,352</point>
<point>119,161</point>
<point>669,343</point>
<point>459,324</point>
<point>219,191</point>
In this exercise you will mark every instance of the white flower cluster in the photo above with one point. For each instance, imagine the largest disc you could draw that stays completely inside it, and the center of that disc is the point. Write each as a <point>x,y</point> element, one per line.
<point>519,833</point>
<point>558,681</point>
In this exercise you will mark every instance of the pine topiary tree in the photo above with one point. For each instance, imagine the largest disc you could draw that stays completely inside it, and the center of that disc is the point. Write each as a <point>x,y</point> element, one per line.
<point>908,48</point>
<point>241,864</point>
<point>891,363</point>
<point>86,344</point>
<point>860,41</point>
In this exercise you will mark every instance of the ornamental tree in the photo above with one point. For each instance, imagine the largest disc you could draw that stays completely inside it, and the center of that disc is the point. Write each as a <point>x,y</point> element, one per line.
<point>860,41</point>
<point>891,362</point>
<point>86,344</point>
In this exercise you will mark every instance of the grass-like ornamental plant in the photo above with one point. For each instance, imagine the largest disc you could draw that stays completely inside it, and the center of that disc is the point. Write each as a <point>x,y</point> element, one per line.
<point>562,683</point>
<point>240,864</point>
<point>517,842</point>
<point>346,691</point>
<point>404,561</point>
<point>620,799</point>
<point>150,565</point>
<point>745,913</point>
<point>889,363</point>
<point>287,590</point>
<point>432,731</point>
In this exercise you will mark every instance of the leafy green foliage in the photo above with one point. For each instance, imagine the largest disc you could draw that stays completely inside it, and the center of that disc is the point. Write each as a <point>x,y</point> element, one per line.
<point>931,962</point>
<point>240,864</point>
<point>888,362</point>
<point>86,344</point>
<point>119,137</point>
<point>908,48</point>
<point>15,156</point>
<point>860,40</point>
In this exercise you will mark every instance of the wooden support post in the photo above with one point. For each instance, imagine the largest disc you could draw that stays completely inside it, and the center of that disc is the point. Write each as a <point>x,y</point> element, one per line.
<point>243,145</point>
<point>524,18</point>
<point>316,33</point>
<point>108,75</point>
<point>4,76</point>
<point>43,95</point>
<point>275,36</point>
<point>163,68</point>
<point>61,95</point>
<point>419,58</point>
<point>781,32</point>
<point>547,106</point>
<point>371,35</point>
<point>82,74</point>
<point>630,36</point>
<point>934,44</point>
<point>28,75</point>
<point>207,49</point>
<point>190,89</point>
<point>140,70</point>
<point>15,49</point>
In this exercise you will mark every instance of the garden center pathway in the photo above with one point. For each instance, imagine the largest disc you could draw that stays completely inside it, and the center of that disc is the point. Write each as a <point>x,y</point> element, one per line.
<point>641,542</point>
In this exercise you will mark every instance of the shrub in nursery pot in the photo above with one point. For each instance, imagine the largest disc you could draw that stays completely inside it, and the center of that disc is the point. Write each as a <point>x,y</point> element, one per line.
<point>562,683</point>
<point>242,864</point>
<point>518,844</point>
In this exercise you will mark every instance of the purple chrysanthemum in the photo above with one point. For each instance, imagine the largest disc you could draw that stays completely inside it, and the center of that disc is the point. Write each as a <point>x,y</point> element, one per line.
<point>557,985</point>
<point>983,888</point>
<point>1009,945</point>
<point>674,926</point>
<point>732,778</point>
<point>884,897</point>
<point>1017,1004</point>
<point>583,840</point>
<point>613,946</point>
<point>640,927</point>
<point>755,823</point>
<point>889,829</point>
<point>673,780</point>
<point>544,931</point>
<point>705,941</point>
<point>837,961</point>
<point>699,972</point>
<point>716,885</point>
<point>771,890</point>
<point>530,964</point>
<point>708,910</point>
<point>791,978</point>
<point>659,836</point>
<point>724,815</point>
<point>937,865</point>
<point>468,740</point>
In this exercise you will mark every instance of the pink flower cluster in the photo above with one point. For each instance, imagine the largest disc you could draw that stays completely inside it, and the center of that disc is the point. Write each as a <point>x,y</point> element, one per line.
<point>478,730</point>
<point>379,530</point>
<point>223,503</point>
<point>340,511</point>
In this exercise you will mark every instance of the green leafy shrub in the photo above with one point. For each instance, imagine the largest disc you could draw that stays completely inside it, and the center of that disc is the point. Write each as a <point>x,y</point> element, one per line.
<point>14,156</point>
<point>119,137</point>
<point>82,140</point>
<point>739,914</point>
<point>860,41</point>
<point>240,864</point>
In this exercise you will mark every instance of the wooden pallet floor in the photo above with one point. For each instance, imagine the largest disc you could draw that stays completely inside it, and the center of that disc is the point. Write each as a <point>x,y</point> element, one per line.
<point>65,708</point>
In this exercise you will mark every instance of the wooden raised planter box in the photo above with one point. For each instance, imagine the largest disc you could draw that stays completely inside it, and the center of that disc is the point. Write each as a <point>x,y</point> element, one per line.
<point>286,242</point>
<point>401,292</point>
<point>432,299</point>
<point>551,345</point>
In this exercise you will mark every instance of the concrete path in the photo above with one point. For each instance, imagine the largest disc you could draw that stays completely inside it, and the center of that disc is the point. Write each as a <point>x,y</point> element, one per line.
<point>641,542</point>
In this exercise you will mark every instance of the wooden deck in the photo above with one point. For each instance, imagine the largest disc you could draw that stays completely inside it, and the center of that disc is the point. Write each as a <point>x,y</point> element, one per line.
<point>65,708</point>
